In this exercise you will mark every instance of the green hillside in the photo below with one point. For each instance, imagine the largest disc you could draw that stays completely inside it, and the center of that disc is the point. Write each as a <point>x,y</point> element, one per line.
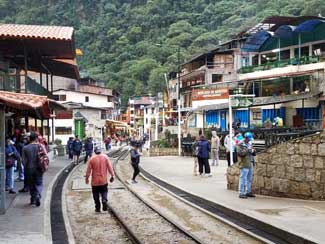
<point>132,43</point>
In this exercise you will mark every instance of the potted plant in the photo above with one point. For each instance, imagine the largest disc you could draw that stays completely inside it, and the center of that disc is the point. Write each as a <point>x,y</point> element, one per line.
<point>59,147</point>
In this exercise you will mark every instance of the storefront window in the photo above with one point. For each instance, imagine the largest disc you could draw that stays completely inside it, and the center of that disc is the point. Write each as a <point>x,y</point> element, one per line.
<point>63,130</point>
<point>276,87</point>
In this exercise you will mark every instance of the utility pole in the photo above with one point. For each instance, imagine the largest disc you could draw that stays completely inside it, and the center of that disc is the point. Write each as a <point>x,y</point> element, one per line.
<point>179,102</point>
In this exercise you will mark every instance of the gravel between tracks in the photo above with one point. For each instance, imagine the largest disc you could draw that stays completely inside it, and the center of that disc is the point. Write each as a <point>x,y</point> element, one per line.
<point>89,227</point>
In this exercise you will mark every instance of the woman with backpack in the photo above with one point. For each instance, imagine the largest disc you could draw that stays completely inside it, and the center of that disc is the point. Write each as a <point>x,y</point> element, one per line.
<point>135,160</point>
<point>245,153</point>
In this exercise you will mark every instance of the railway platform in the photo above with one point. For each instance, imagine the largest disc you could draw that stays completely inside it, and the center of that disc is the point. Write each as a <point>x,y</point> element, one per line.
<point>300,217</point>
<point>23,223</point>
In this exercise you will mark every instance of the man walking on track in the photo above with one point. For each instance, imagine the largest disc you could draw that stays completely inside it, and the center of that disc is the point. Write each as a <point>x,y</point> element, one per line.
<point>98,167</point>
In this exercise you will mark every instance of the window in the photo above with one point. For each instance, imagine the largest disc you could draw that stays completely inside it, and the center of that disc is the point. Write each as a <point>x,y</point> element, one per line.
<point>257,115</point>
<point>216,78</point>
<point>62,97</point>
<point>86,99</point>
<point>109,99</point>
<point>63,130</point>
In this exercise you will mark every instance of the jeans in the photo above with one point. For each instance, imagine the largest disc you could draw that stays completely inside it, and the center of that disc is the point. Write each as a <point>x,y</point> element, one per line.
<point>21,172</point>
<point>250,178</point>
<point>97,192</point>
<point>70,154</point>
<point>215,156</point>
<point>136,170</point>
<point>35,183</point>
<point>10,173</point>
<point>243,181</point>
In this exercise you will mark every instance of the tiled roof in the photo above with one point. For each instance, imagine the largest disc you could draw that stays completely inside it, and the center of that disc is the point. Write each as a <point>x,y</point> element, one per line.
<point>29,103</point>
<point>36,32</point>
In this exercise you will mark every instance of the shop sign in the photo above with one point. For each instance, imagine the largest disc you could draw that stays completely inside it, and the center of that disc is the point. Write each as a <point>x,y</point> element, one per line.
<point>209,94</point>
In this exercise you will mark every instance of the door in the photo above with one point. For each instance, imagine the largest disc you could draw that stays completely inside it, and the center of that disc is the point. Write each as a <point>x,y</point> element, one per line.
<point>223,121</point>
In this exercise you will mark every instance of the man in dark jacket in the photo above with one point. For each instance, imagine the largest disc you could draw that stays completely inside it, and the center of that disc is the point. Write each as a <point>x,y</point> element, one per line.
<point>33,172</point>
<point>70,148</point>
<point>203,156</point>
<point>77,147</point>
<point>89,147</point>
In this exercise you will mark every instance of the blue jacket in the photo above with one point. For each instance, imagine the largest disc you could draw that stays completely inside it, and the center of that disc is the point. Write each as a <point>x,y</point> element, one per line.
<point>204,148</point>
<point>77,146</point>
<point>70,145</point>
<point>135,157</point>
<point>89,146</point>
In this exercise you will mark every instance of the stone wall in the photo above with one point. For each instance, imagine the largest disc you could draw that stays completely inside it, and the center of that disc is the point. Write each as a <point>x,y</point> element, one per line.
<point>163,152</point>
<point>294,169</point>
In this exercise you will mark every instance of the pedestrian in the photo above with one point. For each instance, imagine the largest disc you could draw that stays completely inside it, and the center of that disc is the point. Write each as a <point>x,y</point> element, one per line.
<point>135,161</point>
<point>89,148</point>
<point>229,149</point>
<point>195,152</point>
<point>203,157</point>
<point>252,153</point>
<point>26,187</point>
<point>107,142</point>
<point>11,155</point>
<point>76,147</point>
<point>98,167</point>
<point>215,143</point>
<point>70,148</point>
<point>20,165</point>
<point>244,151</point>
<point>33,172</point>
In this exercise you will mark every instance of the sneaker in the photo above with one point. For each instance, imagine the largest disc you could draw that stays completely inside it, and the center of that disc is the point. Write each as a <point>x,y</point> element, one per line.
<point>242,196</point>
<point>105,207</point>
<point>37,202</point>
<point>32,201</point>
<point>249,194</point>
<point>202,175</point>
<point>134,181</point>
<point>208,175</point>
<point>97,210</point>
<point>23,190</point>
<point>12,192</point>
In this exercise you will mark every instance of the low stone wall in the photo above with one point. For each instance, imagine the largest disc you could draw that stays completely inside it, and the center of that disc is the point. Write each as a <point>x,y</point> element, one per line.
<point>153,152</point>
<point>294,169</point>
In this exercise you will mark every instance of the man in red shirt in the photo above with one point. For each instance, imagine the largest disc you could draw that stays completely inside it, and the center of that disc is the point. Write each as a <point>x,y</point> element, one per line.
<point>98,167</point>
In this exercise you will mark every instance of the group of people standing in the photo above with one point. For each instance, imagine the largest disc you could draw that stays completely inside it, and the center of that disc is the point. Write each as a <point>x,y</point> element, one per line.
<point>242,149</point>
<point>75,147</point>
<point>23,152</point>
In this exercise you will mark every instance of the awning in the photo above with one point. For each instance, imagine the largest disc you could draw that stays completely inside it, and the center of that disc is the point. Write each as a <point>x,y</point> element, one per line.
<point>255,41</point>
<point>29,104</point>
<point>261,101</point>
<point>45,41</point>
<point>56,67</point>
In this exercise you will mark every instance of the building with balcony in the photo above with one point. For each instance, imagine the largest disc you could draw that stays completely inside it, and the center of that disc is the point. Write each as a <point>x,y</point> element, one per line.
<point>287,63</point>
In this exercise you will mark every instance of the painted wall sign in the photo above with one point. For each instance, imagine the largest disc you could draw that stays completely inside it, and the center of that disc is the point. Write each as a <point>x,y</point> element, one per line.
<point>209,94</point>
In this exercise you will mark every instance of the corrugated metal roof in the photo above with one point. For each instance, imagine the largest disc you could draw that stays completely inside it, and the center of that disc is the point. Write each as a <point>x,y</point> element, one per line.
<point>36,32</point>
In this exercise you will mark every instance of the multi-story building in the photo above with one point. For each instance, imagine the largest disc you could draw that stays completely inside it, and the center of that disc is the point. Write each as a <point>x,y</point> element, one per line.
<point>136,112</point>
<point>285,70</point>
<point>280,61</point>
<point>90,107</point>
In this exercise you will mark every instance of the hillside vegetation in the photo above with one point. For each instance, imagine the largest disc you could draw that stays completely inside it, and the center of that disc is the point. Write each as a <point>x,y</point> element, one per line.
<point>132,43</point>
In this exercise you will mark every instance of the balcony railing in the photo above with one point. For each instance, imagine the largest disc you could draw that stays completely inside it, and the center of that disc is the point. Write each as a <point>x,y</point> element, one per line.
<point>282,63</point>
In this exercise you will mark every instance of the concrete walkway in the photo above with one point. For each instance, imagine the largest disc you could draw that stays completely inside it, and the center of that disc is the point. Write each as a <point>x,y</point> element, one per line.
<point>28,224</point>
<point>300,217</point>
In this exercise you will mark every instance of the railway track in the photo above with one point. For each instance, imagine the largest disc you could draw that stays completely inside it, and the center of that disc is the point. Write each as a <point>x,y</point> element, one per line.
<point>258,230</point>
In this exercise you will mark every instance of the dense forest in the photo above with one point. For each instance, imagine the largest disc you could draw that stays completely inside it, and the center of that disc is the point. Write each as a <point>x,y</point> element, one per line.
<point>130,44</point>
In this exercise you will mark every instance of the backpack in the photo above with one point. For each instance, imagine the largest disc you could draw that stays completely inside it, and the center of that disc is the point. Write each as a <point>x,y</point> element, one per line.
<point>242,150</point>
<point>43,159</point>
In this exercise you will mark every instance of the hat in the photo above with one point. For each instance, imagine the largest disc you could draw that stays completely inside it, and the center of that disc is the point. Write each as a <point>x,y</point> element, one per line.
<point>249,136</point>
<point>98,149</point>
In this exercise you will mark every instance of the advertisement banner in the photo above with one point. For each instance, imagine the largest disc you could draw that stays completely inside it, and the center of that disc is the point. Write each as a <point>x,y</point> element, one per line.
<point>209,94</point>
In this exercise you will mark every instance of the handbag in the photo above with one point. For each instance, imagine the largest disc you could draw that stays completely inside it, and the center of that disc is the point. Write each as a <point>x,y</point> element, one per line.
<point>10,162</point>
<point>43,159</point>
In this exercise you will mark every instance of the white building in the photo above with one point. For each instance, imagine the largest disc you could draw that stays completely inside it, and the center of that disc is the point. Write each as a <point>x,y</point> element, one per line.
<point>89,107</point>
